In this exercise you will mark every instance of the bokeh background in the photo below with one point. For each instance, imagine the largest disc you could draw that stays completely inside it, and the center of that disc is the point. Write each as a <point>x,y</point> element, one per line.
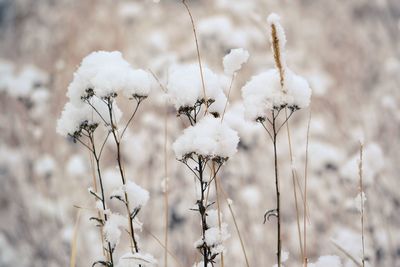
<point>348,51</point>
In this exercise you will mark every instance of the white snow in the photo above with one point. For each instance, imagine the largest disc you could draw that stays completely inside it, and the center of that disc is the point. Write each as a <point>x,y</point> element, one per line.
<point>139,83</point>
<point>266,91</point>
<point>234,60</point>
<point>209,138</point>
<point>112,228</point>
<point>107,73</point>
<point>135,259</point>
<point>214,238</point>
<point>185,85</point>
<point>263,93</point>
<point>235,118</point>
<point>72,116</point>
<point>327,261</point>
<point>137,196</point>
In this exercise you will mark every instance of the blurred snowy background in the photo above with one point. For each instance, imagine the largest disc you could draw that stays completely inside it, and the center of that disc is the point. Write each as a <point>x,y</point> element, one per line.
<point>348,50</point>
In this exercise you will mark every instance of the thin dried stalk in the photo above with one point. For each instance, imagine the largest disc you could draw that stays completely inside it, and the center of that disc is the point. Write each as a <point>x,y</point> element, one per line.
<point>305,194</point>
<point>294,187</point>
<point>117,141</point>
<point>278,193</point>
<point>163,246</point>
<point>227,98</point>
<point>197,49</point>
<point>236,225</point>
<point>360,172</point>
<point>74,241</point>
<point>347,254</point>
<point>166,211</point>
<point>98,212</point>
<point>218,207</point>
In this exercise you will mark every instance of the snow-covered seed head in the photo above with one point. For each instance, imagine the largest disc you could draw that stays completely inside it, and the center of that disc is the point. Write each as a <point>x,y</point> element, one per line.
<point>278,41</point>
<point>209,138</point>
<point>185,90</point>
<point>234,60</point>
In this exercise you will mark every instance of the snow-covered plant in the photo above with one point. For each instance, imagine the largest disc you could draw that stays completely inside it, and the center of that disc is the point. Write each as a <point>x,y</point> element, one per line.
<point>266,95</point>
<point>92,114</point>
<point>206,144</point>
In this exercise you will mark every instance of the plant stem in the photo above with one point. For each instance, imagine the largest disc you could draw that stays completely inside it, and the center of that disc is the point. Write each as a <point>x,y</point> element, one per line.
<point>121,171</point>
<point>278,215</point>
<point>103,200</point>
<point>202,210</point>
<point>218,207</point>
<point>360,170</point>
<point>166,206</point>
<point>305,207</point>
<point>294,185</point>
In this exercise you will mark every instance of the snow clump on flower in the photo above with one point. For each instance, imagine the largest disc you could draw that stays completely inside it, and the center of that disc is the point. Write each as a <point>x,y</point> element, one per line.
<point>276,88</point>
<point>185,88</point>
<point>209,138</point>
<point>137,196</point>
<point>234,60</point>
<point>107,73</point>
<point>98,80</point>
<point>112,228</point>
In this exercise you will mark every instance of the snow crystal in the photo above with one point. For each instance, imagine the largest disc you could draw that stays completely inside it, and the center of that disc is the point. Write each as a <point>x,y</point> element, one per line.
<point>209,138</point>
<point>234,60</point>
<point>136,259</point>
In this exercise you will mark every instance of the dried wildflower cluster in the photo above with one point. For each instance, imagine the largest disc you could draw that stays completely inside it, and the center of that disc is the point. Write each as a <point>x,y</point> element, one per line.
<point>210,139</point>
<point>92,114</point>
<point>207,143</point>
